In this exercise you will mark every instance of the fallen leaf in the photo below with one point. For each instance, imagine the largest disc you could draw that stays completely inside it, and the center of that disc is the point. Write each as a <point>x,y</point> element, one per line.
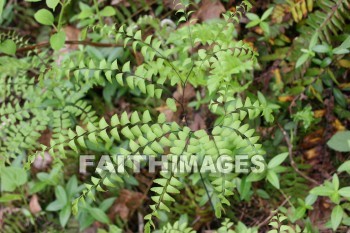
<point>198,123</point>
<point>189,93</point>
<point>344,63</point>
<point>41,162</point>
<point>210,10</point>
<point>278,76</point>
<point>286,98</point>
<point>72,33</point>
<point>319,113</point>
<point>313,153</point>
<point>34,205</point>
<point>127,202</point>
<point>313,139</point>
<point>338,125</point>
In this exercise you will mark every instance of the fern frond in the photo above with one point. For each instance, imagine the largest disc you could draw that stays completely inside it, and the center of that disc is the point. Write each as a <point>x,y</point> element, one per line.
<point>327,23</point>
<point>177,227</point>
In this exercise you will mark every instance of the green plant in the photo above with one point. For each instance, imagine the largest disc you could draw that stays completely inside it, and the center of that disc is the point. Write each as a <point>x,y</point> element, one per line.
<point>278,223</point>
<point>335,194</point>
<point>140,80</point>
<point>144,135</point>
<point>256,20</point>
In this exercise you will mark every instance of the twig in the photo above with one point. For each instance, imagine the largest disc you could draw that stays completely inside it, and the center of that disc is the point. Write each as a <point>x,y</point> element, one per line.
<point>273,212</point>
<point>292,162</point>
<point>140,220</point>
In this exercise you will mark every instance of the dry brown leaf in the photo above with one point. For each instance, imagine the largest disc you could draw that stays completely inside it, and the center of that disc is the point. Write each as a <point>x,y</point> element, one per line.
<point>319,113</point>
<point>189,93</point>
<point>198,123</point>
<point>286,98</point>
<point>145,180</point>
<point>72,33</point>
<point>127,202</point>
<point>210,10</point>
<point>42,162</point>
<point>34,205</point>
<point>313,139</point>
<point>338,125</point>
<point>312,153</point>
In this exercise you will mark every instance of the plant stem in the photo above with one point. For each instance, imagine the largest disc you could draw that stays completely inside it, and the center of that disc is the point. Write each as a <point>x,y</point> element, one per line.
<point>98,12</point>
<point>59,24</point>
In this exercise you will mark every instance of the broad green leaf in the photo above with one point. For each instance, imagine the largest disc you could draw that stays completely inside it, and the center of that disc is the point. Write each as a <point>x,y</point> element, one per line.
<point>321,48</point>
<point>107,11</point>
<point>344,167</point>
<point>344,192</point>
<point>44,17</point>
<point>322,191</point>
<point>302,60</point>
<point>310,199</point>
<point>265,27</point>
<point>64,215</point>
<point>8,47</point>
<point>52,4</point>
<point>252,16</point>
<point>8,197</point>
<point>266,14</point>
<point>61,195</point>
<point>11,178</point>
<point>339,51</point>
<point>72,186</point>
<point>335,182</point>
<point>57,40</point>
<point>99,215</point>
<point>340,141</point>
<point>252,23</point>
<point>340,98</point>
<point>313,41</point>
<point>54,206</point>
<point>277,160</point>
<point>2,4</point>
<point>273,179</point>
<point>336,216</point>
<point>262,98</point>
<point>346,43</point>
<point>107,203</point>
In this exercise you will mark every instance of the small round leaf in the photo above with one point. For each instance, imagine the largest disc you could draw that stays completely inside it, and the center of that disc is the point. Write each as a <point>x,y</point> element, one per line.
<point>8,47</point>
<point>57,40</point>
<point>44,17</point>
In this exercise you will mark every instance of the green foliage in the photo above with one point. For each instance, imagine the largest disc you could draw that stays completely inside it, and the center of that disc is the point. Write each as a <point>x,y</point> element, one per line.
<point>278,224</point>
<point>11,178</point>
<point>340,141</point>
<point>333,191</point>
<point>145,85</point>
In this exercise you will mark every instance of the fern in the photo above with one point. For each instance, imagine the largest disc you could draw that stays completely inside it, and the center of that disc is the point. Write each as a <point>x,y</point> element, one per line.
<point>278,224</point>
<point>325,24</point>
<point>211,60</point>
<point>176,227</point>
